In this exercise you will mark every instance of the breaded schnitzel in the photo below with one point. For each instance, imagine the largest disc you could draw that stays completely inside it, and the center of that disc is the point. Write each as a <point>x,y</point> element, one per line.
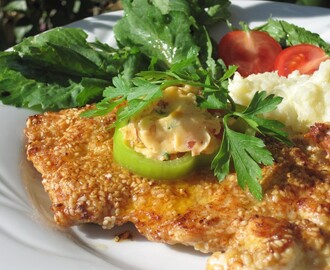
<point>288,229</point>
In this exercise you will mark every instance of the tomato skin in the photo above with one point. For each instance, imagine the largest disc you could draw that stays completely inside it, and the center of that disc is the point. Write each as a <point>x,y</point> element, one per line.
<point>305,58</point>
<point>252,51</point>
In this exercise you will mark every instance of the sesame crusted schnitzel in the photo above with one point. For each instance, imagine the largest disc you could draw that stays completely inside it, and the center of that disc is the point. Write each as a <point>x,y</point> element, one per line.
<point>288,229</point>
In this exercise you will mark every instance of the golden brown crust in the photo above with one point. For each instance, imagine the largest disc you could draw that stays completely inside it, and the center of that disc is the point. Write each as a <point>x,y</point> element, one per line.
<point>74,156</point>
<point>319,134</point>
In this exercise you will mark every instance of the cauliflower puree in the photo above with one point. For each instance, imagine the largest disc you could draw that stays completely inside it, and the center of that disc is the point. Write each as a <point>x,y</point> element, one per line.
<point>306,98</point>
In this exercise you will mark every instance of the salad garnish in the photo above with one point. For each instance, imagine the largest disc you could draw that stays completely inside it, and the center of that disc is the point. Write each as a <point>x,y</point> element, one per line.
<point>246,151</point>
<point>159,44</point>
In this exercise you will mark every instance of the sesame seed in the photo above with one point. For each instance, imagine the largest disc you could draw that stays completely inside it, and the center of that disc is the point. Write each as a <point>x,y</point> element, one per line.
<point>85,185</point>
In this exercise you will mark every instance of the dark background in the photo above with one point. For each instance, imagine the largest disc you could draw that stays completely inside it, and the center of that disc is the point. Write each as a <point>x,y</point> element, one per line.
<point>22,18</point>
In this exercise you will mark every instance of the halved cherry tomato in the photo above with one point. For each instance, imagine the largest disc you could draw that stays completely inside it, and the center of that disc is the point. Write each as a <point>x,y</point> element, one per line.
<point>303,57</point>
<point>252,51</point>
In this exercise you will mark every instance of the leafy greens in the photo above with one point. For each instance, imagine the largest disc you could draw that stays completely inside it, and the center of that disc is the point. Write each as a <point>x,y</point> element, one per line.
<point>53,69</point>
<point>160,43</point>
<point>288,34</point>
<point>60,69</point>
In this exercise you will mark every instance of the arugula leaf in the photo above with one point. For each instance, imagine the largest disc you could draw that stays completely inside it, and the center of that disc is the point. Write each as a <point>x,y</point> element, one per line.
<point>288,34</point>
<point>162,33</point>
<point>60,69</point>
<point>167,30</point>
<point>67,50</point>
<point>36,88</point>
<point>210,12</point>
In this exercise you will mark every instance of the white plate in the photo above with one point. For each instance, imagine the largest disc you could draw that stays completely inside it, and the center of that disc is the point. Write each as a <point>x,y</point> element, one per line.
<point>28,236</point>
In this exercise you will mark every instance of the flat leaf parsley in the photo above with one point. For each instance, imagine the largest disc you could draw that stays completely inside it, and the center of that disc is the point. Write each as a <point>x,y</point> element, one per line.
<point>246,151</point>
<point>241,148</point>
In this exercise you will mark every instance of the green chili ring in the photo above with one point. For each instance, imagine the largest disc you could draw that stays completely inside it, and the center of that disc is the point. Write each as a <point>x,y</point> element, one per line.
<point>138,164</point>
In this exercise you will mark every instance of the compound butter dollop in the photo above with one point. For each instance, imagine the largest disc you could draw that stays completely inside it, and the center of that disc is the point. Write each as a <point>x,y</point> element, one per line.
<point>174,125</point>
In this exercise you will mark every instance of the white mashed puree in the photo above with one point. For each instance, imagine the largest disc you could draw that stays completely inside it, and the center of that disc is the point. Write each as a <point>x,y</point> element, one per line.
<point>306,99</point>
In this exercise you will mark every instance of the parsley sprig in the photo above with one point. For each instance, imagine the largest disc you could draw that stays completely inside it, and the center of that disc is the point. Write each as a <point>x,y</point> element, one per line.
<point>138,95</point>
<point>239,147</point>
<point>246,151</point>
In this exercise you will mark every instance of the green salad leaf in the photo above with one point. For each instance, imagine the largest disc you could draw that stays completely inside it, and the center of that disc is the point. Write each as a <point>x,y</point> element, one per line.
<point>60,69</point>
<point>169,31</point>
<point>288,34</point>
<point>67,50</point>
<point>161,29</point>
<point>36,88</point>
<point>209,12</point>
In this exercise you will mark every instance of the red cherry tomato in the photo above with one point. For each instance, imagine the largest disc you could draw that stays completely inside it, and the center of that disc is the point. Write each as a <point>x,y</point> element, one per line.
<point>303,57</point>
<point>252,51</point>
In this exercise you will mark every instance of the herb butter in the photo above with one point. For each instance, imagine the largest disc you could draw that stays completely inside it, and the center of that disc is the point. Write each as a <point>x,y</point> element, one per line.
<point>174,125</point>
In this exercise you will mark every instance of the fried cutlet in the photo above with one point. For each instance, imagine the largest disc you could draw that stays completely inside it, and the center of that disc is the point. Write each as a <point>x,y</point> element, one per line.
<point>74,156</point>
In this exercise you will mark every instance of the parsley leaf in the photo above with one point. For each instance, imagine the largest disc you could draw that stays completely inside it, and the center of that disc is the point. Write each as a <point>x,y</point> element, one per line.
<point>137,96</point>
<point>261,103</point>
<point>245,151</point>
<point>144,93</point>
<point>217,97</point>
